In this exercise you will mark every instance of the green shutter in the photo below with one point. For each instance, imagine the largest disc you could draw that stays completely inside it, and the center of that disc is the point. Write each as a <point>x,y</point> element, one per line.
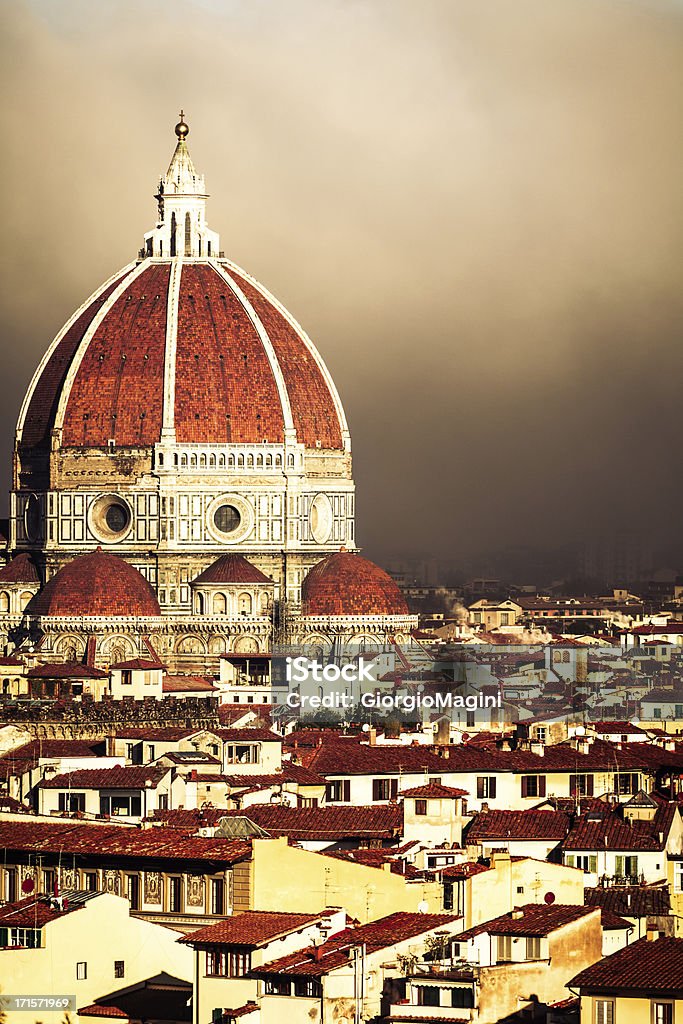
<point>619,865</point>
<point>570,860</point>
<point>593,863</point>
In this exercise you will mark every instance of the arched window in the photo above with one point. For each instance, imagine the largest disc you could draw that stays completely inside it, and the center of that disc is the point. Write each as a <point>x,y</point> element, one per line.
<point>4,601</point>
<point>199,604</point>
<point>173,234</point>
<point>188,236</point>
<point>219,604</point>
<point>244,603</point>
<point>25,598</point>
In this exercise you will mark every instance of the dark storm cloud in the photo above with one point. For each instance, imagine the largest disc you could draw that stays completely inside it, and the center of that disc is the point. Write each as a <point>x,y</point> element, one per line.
<point>474,209</point>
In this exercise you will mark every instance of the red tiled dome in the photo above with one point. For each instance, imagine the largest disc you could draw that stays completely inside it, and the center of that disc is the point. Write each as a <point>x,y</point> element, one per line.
<point>347,584</point>
<point>243,371</point>
<point>21,569</point>
<point>96,584</point>
<point>232,569</point>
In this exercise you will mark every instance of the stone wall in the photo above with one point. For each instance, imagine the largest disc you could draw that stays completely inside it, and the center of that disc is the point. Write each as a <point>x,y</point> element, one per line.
<point>88,719</point>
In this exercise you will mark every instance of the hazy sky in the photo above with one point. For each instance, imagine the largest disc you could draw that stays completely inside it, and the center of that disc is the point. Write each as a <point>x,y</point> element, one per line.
<point>473,206</point>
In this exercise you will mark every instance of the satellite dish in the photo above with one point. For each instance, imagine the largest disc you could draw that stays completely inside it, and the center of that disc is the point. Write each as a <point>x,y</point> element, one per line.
<point>549,898</point>
<point>465,736</point>
<point>366,727</point>
<point>422,907</point>
<point>28,885</point>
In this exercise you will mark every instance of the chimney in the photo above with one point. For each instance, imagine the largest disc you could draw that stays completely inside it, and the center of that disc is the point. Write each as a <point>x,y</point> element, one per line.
<point>652,933</point>
<point>517,914</point>
<point>372,736</point>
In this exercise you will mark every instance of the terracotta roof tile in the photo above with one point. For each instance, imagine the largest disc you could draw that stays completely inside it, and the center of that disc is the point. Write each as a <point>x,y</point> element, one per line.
<point>46,394</point>
<point>536,919</point>
<point>347,584</point>
<point>95,1010</point>
<point>650,966</point>
<point>334,952</point>
<point>232,568</point>
<point>541,825</point>
<point>105,841</point>
<point>376,821</point>
<point>98,583</point>
<point>186,684</point>
<point>128,777</point>
<point>34,911</point>
<point>118,388</point>
<point>630,900</point>
<point>21,569</point>
<point>66,670</point>
<point>313,408</point>
<point>434,791</point>
<point>252,928</point>
<point>610,832</point>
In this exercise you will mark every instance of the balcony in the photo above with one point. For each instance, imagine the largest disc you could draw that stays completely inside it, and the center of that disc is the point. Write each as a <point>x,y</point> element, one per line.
<point>412,1012</point>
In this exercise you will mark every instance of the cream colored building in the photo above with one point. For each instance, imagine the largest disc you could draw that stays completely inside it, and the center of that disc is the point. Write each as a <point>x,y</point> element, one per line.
<point>641,984</point>
<point>86,946</point>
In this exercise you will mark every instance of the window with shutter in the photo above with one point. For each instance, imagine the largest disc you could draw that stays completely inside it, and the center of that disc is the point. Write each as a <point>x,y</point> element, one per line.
<point>662,1013</point>
<point>604,1011</point>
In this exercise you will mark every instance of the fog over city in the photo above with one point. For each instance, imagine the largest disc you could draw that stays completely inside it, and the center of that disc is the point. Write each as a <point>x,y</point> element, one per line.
<point>474,209</point>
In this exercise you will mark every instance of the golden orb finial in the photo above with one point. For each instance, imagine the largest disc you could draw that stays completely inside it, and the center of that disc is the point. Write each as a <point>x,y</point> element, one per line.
<point>182,130</point>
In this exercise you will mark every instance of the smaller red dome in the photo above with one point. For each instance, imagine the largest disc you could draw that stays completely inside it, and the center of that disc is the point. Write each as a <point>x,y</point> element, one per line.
<point>347,584</point>
<point>231,569</point>
<point>97,584</point>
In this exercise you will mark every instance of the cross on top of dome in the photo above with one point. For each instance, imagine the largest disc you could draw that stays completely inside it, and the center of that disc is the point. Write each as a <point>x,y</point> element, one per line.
<point>182,129</point>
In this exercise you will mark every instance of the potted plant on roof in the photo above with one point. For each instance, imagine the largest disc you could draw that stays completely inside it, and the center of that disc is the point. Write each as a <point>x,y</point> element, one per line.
<point>407,963</point>
<point>436,950</point>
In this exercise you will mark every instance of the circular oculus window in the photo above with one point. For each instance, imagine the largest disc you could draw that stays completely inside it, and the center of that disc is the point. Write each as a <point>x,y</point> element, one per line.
<point>227,519</point>
<point>33,519</point>
<point>110,517</point>
<point>321,518</point>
